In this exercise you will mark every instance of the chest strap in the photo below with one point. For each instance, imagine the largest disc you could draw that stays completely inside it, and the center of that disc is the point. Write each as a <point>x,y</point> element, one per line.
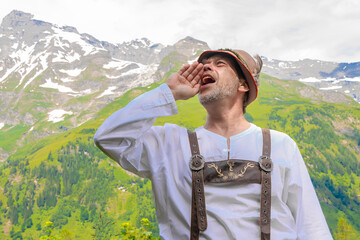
<point>266,166</point>
<point>198,207</point>
<point>260,174</point>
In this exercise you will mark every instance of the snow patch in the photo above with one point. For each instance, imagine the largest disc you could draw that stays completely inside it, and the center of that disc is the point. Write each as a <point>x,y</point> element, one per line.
<point>21,56</point>
<point>75,72</point>
<point>60,88</point>
<point>43,63</point>
<point>59,57</point>
<point>57,115</point>
<point>333,80</point>
<point>313,80</point>
<point>346,91</point>
<point>108,91</point>
<point>143,42</point>
<point>15,45</point>
<point>64,89</point>
<point>2,125</point>
<point>60,44</point>
<point>355,79</point>
<point>87,91</point>
<point>76,38</point>
<point>144,75</point>
<point>68,58</point>
<point>157,50</point>
<point>285,65</point>
<point>117,64</point>
<point>66,80</point>
<point>24,71</point>
<point>72,58</point>
<point>331,88</point>
<point>112,77</point>
<point>142,69</point>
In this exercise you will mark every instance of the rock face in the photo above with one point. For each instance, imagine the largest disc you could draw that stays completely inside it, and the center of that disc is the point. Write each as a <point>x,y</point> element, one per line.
<point>338,77</point>
<point>54,78</point>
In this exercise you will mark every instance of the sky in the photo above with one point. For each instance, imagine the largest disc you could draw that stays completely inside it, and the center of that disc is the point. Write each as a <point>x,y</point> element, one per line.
<point>280,29</point>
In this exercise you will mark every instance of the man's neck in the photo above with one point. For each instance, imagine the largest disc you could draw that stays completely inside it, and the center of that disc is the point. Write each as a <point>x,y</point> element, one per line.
<point>225,119</point>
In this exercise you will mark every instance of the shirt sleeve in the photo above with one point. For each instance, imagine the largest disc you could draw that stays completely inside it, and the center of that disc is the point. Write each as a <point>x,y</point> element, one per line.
<point>128,135</point>
<point>304,204</point>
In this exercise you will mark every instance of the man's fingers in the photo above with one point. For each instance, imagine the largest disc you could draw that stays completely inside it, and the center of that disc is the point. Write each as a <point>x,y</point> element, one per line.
<point>195,72</point>
<point>190,70</point>
<point>197,77</point>
<point>198,70</point>
<point>183,69</point>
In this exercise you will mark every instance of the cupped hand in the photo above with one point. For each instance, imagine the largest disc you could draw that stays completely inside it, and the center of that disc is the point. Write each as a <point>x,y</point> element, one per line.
<point>185,83</point>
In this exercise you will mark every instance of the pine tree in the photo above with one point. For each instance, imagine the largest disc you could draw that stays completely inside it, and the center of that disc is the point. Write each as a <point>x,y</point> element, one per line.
<point>344,230</point>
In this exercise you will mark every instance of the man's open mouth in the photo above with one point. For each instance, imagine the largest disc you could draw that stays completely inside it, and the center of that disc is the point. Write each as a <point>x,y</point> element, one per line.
<point>206,80</point>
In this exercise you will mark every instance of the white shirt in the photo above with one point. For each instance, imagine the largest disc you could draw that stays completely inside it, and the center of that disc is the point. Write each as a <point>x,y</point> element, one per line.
<point>162,153</point>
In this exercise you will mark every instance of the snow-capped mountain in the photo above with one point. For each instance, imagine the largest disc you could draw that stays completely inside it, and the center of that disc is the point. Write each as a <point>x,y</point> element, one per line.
<point>53,77</point>
<point>340,77</point>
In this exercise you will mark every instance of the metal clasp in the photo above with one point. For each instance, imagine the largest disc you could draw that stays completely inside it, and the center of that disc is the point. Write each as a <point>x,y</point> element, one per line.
<point>197,162</point>
<point>268,166</point>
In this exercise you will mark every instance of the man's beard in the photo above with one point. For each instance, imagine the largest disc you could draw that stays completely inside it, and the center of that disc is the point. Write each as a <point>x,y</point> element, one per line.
<point>219,92</point>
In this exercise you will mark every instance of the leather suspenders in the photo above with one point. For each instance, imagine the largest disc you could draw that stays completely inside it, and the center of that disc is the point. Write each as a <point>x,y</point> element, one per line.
<point>198,208</point>
<point>266,166</point>
<point>241,171</point>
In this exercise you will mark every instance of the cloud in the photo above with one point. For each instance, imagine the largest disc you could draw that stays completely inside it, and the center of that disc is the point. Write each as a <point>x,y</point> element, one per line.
<point>282,29</point>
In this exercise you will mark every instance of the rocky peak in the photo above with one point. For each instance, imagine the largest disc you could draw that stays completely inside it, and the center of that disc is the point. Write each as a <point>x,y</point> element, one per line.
<point>17,21</point>
<point>69,29</point>
<point>15,17</point>
<point>190,46</point>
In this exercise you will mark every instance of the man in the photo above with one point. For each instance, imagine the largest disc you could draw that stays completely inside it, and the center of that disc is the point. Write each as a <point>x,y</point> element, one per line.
<point>228,180</point>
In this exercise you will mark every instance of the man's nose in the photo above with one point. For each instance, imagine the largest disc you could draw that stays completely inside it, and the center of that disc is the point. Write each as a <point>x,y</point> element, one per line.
<point>207,67</point>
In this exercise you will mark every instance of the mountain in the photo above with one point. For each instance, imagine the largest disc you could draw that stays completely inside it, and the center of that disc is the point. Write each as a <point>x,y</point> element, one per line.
<point>54,78</point>
<point>339,77</point>
<point>57,86</point>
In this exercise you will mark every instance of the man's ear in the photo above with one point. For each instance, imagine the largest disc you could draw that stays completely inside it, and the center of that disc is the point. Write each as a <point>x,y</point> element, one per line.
<point>243,88</point>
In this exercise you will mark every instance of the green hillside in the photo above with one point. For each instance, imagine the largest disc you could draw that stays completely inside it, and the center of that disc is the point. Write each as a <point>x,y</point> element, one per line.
<point>65,179</point>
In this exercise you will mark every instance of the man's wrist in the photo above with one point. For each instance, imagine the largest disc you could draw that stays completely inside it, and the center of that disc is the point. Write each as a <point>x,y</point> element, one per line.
<point>173,92</point>
<point>168,93</point>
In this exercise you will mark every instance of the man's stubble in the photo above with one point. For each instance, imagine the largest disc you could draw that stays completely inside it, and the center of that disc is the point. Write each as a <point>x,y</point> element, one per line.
<point>219,91</point>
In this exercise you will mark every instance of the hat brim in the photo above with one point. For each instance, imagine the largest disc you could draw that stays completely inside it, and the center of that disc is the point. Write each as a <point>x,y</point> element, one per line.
<point>253,89</point>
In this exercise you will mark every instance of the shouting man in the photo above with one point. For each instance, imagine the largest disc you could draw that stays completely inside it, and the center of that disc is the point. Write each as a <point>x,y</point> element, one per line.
<point>229,179</point>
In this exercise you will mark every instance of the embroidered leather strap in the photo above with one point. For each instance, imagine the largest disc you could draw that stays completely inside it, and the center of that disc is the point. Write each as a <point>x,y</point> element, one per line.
<point>198,207</point>
<point>266,166</point>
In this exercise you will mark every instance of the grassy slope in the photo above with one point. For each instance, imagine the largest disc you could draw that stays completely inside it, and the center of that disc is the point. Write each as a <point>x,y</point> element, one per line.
<point>279,107</point>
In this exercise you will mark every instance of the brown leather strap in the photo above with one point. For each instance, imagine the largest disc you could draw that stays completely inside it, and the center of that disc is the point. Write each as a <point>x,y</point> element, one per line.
<point>265,164</point>
<point>198,207</point>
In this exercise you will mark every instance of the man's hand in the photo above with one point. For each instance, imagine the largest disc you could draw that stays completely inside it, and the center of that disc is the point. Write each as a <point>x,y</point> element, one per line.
<point>185,83</point>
